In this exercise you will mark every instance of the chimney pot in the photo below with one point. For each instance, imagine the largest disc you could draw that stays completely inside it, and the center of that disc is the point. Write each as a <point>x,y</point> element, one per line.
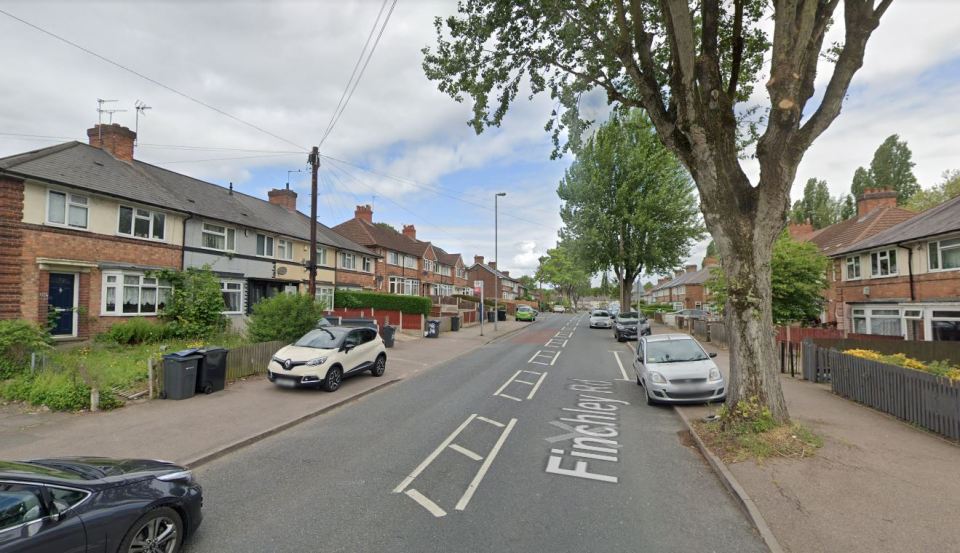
<point>114,139</point>
<point>364,213</point>
<point>283,197</point>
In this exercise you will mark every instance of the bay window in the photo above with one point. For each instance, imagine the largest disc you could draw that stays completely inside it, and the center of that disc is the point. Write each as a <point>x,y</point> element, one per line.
<point>67,209</point>
<point>325,294</point>
<point>133,294</point>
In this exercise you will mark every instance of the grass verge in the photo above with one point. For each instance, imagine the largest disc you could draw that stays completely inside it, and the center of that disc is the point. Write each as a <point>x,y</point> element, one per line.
<point>733,445</point>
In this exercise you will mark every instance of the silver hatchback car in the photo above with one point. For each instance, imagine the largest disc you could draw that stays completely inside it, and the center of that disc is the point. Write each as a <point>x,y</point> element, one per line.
<point>674,368</point>
<point>600,318</point>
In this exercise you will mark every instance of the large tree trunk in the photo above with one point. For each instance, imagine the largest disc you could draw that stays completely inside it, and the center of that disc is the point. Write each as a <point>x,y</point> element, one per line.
<point>626,291</point>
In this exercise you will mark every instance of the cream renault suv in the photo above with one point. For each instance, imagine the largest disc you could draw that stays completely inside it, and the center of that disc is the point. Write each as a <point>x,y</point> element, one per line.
<point>323,356</point>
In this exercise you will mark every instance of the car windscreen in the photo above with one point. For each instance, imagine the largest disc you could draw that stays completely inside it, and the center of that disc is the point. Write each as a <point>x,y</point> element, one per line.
<point>600,314</point>
<point>629,315</point>
<point>524,308</point>
<point>322,338</point>
<point>674,351</point>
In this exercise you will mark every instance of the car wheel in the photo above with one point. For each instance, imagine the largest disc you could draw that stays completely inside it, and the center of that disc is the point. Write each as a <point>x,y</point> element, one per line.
<point>333,380</point>
<point>639,382</point>
<point>379,366</point>
<point>159,530</point>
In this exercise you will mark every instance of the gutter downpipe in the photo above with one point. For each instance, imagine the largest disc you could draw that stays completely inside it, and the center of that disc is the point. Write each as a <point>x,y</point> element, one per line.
<point>909,270</point>
<point>183,249</point>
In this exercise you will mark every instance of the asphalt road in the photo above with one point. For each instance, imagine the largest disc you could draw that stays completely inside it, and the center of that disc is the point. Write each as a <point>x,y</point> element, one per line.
<point>474,456</point>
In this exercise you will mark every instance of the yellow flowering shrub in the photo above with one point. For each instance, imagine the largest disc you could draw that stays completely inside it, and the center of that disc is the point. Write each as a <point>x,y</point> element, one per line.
<point>939,368</point>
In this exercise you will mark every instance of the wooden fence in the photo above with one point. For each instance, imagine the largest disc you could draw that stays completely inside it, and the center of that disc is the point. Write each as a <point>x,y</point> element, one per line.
<point>917,397</point>
<point>718,333</point>
<point>250,360</point>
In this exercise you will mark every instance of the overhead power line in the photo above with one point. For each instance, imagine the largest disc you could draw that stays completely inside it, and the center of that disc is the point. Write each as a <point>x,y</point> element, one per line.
<point>351,88</point>
<point>150,79</point>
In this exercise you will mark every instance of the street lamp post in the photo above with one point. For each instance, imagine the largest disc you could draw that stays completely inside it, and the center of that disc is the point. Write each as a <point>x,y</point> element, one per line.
<point>496,276</point>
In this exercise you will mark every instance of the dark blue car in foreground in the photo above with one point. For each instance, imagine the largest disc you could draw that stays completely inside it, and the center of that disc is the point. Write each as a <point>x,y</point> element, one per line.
<point>97,505</point>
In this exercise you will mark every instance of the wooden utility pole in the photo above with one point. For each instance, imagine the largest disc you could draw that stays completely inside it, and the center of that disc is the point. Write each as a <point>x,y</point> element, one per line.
<point>314,161</point>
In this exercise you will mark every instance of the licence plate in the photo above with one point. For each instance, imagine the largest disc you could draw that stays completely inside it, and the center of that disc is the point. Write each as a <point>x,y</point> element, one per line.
<point>284,383</point>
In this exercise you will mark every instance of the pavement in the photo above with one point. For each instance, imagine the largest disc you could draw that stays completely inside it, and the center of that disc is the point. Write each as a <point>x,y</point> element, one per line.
<point>198,429</point>
<point>878,484</point>
<point>536,442</point>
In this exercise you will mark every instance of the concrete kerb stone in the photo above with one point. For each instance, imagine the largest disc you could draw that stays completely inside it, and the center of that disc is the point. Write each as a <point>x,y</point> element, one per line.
<point>730,482</point>
<point>250,440</point>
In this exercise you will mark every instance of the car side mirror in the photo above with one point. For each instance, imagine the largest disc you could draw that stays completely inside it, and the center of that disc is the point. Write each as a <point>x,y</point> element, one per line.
<point>347,347</point>
<point>712,355</point>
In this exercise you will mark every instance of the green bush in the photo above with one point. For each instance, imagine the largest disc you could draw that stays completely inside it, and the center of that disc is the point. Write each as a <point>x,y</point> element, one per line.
<point>195,308</point>
<point>284,317</point>
<point>18,339</point>
<point>405,304</point>
<point>58,390</point>
<point>137,331</point>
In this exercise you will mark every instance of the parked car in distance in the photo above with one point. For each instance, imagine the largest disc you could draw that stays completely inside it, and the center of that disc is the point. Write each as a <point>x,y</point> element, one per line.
<point>630,325</point>
<point>323,356</point>
<point>692,313</point>
<point>614,311</point>
<point>525,313</point>
<point>97,504</point>
<point>674,368</point>
<point>600,318</point>
<point>559,309</point>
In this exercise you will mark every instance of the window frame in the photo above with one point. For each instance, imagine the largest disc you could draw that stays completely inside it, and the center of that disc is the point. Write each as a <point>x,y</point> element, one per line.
<point>227,231</point>
<point>224,282</point>
<point>342,264</point>
<point>267,239</point>
<point>322,292</point>
<point>133,223</point>
<point>286,246</point>
<point>893,268</point>
<point>37,490</point>
<point>856,262</point>
<point>118,287</point>
<point>367,264</point>
<point>322,255</point>
<point>394,258</point>
<point>939,257</point>
<point>67,204</point>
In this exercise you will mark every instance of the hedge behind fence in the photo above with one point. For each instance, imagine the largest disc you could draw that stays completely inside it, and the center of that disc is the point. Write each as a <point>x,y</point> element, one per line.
<point>405,304</point>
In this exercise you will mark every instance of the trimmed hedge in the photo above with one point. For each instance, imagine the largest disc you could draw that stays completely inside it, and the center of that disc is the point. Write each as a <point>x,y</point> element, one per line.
<point>405,304</point>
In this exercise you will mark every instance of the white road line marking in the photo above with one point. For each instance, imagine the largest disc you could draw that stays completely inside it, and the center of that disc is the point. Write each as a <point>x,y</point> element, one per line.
<point>510,397</point>
<point>467,495</point>
<point>490,421</point>
<point>507,383</point>
<point>616,354</point>
<point>565,343</point>
<point>536,386</point>
<point>460,449</point>
<point>426,503</point>
<point>534,356</point>
<point>555,358</point>
<point>524,382</point>
<point>443,445</point>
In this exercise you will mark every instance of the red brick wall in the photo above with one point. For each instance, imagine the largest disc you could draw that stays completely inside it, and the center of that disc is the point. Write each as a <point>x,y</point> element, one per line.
<point>56,243</point>
<point>355,278</point>
<point>11,245</point>
<point>489,281</point>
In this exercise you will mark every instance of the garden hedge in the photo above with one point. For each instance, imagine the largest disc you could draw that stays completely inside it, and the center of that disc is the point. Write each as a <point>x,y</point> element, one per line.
<point>405,304</point>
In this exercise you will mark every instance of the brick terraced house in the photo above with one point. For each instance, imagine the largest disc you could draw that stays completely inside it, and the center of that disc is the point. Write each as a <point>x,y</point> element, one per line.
<point>687,289</point>
<point>83,226</point>
<point>406,265</point>
<point>509,288</point>
<point>905,280</point>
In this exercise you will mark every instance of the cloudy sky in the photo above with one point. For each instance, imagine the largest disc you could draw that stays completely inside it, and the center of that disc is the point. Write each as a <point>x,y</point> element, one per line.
<point>283,66</point>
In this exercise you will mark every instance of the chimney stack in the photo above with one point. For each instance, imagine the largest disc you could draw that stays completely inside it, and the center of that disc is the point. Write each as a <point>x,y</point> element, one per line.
<point>493,265</point>
<point>691,268</point>
<point>410,231</point>
<point>505,273</point>
<point>364,213</point>
<point>875,198</point>
<point>478,260</point>
<point>283,197</point>
<point>114,139</point>
<point>800,231</point>
<point>710,262</point>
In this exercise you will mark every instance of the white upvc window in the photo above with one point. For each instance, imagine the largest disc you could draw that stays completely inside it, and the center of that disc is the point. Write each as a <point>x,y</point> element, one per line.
<point>853,267</point>
<point>429,265</point>
<point>944,255</point>
<point>409,262</point>
<point>411,287</point>
<point>284,249</point>
<point>393,258</point>
<point>232,291</point>
<point>879,321</point>
<point>219,237</point>
<point>264,245</point>
<point>368,264</point>
<point>325,294</point>
<point>883,263</point>
<point>67,209</point>
<point>461,273</point>
<point>348,261</point>
<point>322,256</point>
<point>396,285</point>
<point>126,293</point>
<point>141,223</point>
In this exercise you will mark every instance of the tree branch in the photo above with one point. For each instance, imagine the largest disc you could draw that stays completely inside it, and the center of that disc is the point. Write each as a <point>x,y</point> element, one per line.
<point>737,45</point>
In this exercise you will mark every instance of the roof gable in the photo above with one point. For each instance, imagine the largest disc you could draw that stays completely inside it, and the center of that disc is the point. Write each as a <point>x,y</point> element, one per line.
<point>941,219</point>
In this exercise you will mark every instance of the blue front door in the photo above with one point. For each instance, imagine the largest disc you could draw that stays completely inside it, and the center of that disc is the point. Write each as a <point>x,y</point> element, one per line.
<point>60,299</point>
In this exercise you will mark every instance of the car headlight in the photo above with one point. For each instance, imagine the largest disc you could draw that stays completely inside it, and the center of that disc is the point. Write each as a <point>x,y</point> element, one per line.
<point>180,476</point>
<point>277,359</point>
<point>315,362</point>
<point>657,378</point>
<point>714,375</point>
